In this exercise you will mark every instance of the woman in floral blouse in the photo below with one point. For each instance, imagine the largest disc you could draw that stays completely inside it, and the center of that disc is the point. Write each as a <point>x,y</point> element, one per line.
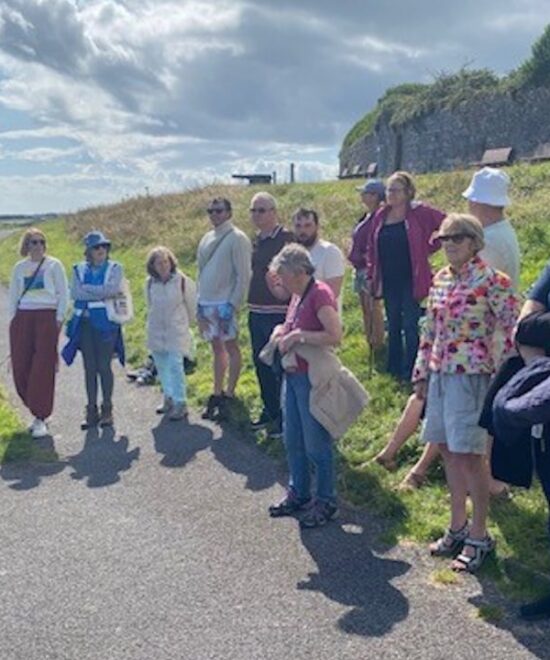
<point>456,358</point>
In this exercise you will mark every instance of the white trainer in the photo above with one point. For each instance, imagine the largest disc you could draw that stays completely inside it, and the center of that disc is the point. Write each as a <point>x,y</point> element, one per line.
<point>39,429</point>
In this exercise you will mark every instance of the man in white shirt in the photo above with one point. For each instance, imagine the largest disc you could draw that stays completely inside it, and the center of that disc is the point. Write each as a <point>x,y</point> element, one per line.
<point>327,258</point>
<point>487,197</point>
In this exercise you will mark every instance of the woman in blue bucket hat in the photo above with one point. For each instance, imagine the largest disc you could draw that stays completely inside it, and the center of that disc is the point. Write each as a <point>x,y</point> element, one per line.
<point>94,281</point>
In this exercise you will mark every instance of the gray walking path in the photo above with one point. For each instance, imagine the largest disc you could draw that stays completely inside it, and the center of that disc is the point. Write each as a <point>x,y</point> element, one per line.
<point>153,542</point>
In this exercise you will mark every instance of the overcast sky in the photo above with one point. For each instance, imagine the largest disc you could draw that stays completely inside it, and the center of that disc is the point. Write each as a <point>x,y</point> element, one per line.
<point>100,99</point>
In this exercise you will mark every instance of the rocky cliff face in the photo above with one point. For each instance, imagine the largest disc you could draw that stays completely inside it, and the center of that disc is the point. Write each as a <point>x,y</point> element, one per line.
<point>449,139</point>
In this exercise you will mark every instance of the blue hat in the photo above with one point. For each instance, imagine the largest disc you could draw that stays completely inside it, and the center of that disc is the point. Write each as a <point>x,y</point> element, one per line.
<point>373,186</point>
<point>94,238</point>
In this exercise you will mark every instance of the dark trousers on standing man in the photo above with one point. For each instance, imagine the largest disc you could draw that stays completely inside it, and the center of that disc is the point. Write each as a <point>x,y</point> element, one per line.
<point>260,327</point>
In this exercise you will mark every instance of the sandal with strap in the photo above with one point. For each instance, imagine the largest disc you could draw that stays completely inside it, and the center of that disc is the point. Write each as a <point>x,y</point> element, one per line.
<point>412,481</point>
<point>389,464</point>
<point>451,543</point>
<point>482,547</point>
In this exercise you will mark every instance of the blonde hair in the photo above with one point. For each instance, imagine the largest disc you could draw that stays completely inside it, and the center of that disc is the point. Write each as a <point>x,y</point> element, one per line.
<point>464,223</point>
<point>25,239</point>
<point>160,251</point>
<point>406,179</point>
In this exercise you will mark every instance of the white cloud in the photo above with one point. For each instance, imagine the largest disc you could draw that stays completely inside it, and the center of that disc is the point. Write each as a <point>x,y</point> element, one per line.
<point>169,92</point>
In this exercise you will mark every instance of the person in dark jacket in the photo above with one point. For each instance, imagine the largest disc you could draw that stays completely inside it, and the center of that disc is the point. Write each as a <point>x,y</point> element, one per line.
<point>373,196</point>
<point>517,410</point>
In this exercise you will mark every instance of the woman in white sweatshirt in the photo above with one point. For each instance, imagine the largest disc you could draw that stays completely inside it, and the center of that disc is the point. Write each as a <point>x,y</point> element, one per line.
<point>37,305</point>
<point>171,304</point>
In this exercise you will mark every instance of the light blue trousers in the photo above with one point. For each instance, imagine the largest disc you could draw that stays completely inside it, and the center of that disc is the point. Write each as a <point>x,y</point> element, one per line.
<point>170,371</point>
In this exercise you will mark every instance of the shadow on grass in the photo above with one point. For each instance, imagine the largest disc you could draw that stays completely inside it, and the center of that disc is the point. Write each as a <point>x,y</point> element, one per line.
<point>180,442</point>
<point>103,458</point>
<point>27,461</point>
<point>349,573</point>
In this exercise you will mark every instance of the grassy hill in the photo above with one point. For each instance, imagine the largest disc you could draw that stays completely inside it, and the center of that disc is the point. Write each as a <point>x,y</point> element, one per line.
<point>179,220</point>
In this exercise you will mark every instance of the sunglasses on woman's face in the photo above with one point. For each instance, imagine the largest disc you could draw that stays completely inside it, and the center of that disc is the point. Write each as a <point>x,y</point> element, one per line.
<point>454,238</point>
<point>37,241</point>
<point>99,247</point>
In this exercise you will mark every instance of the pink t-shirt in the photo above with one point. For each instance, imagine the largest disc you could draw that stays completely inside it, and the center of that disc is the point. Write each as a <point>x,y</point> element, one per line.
<point>304,315</point>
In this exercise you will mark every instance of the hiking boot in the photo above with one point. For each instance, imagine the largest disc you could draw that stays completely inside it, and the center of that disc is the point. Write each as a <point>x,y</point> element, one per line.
<point>289,505</point>
<point>318,515</point>
<point>179,412</point>
<point>212,404</point>
<point>106,418</point>
<point>165,406</point>
<point>91,418</point>
<point>262,422</point>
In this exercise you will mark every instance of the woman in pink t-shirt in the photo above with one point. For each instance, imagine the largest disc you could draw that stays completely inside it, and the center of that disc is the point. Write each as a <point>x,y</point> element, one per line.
<point>312,318</point>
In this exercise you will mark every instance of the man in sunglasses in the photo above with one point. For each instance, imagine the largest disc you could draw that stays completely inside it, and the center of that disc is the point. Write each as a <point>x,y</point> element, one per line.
<point>266,309</point>
<point>223,257</point>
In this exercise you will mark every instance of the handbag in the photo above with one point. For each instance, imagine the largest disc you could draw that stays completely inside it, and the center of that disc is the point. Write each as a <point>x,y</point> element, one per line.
<point>121,308</point>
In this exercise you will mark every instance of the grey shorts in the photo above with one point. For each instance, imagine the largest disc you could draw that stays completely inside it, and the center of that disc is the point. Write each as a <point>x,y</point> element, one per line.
<point>453,408</point>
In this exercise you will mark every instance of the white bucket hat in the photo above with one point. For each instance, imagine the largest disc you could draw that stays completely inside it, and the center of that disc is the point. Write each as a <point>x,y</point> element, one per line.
<point>489,186</point>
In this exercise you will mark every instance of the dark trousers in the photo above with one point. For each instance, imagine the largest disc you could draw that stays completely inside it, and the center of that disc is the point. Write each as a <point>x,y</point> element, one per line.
<point>33,348</point>
<point>403,314</point>
<point>97,353</point>
<point>260,327</point>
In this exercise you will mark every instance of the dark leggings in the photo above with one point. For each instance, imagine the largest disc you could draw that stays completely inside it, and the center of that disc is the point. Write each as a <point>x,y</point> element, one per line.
<point>97,353</point>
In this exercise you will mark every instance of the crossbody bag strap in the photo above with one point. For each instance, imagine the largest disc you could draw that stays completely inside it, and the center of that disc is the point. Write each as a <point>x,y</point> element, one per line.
<point>215,248</point>
<point>30,282</point>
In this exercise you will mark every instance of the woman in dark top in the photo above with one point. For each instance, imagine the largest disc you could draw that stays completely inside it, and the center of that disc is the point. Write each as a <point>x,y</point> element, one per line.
<point>398,269</point>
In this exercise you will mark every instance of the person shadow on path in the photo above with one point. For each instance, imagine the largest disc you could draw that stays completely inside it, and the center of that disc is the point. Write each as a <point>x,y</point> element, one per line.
<point>102,458</point>
<point>350,574</point>
<point>179,442</point>
<point>29,472</point>
<point>244,458</point>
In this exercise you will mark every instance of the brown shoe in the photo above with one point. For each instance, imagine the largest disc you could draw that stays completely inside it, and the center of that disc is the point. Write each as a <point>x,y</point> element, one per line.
<point>91,418</point>
<point>106,418</point>
<point>388,464</point>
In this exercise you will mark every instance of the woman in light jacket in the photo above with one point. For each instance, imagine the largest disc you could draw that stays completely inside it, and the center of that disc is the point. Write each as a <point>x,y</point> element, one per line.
<point>94,281</point>
<point>171,304</point>
<point>37,304</point>
<point>398,267</point>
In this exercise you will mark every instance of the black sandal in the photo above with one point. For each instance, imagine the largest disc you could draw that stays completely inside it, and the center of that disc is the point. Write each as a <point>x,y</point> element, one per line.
<point>451,543</point>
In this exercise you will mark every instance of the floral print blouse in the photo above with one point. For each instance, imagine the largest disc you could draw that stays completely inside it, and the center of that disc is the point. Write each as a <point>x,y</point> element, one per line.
<point>464,309</point>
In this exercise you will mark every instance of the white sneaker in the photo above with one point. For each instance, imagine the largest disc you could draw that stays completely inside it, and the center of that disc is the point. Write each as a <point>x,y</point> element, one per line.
<point>31,426</point>
<point>39,429</point>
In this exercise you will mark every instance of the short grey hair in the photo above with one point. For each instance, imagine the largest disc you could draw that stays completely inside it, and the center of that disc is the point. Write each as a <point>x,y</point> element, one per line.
<point>265,197</point>
<point>293,258</point>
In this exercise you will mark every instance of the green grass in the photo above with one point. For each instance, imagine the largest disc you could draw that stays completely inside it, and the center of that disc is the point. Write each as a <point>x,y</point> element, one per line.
<point>180,220</point>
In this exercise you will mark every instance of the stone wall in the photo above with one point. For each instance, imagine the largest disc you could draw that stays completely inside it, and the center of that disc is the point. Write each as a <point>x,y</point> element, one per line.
<point>449,139</point>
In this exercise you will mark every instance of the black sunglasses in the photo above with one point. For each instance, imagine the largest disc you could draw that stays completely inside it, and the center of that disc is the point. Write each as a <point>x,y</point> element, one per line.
<point>454,238</point>
<point>37,241</point>
<point>214,210</point>
<point>260,209</point>
<point>99,246</point>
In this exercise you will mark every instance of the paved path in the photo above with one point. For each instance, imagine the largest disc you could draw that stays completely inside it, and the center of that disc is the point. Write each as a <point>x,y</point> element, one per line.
<point>153,542</point>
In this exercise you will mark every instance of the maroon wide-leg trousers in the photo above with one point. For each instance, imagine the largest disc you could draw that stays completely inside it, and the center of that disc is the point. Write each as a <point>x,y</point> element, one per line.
<point>33,347</point>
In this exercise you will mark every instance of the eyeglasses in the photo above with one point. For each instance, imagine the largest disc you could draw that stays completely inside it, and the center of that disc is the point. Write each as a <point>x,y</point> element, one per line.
<point>37,241</point>
<point>214,210</point>
<point>395,190</point>
<point>260,209</point>
<point>454,238</point>
<point>101,246</point>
